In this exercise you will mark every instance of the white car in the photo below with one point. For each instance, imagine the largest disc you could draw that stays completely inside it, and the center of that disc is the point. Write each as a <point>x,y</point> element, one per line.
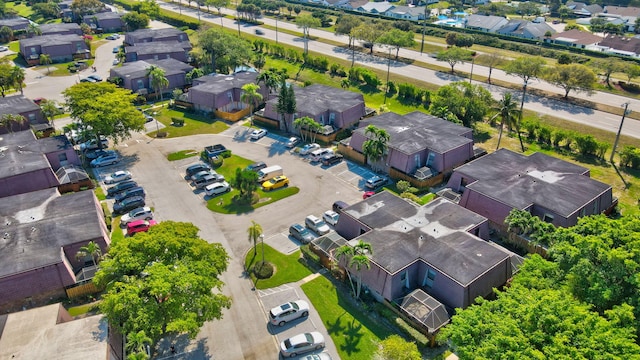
<point>116,62</point>
<point>316,224</point>
<point>117,176</point>
<point>93,144</point>
<point>317,155</point>
<point>3,48</point>
<point>322,356</point>
<point>309,148</point>
<point>284,313</point>
<point>330,217</point>
<point>217,188</point>
<point>302,343</point>
<point>258,134</point>
<point>292,142</point>
<point>141,213</point>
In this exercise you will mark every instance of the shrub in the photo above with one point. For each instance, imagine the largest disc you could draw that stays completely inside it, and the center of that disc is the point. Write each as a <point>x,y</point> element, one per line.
<point>370,78</point>
<point>391,88</point>
<point>226,154</point>
<point>559,136</point>
<point>544,135</point>
<point>263,270</point>
<point>177,121</point>
<point>630,157</point>
<point>308,254</point>
<point>410,196</point>
<point>307,83</point>
<point>586,145</point>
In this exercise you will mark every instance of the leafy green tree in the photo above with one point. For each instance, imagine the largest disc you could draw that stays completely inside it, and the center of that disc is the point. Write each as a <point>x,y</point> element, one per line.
<point>105,108</point>
<point>147,7</point>
<point>307,22</point>
<point>468,103</point>
<point>47,10</point>
<point>526,67</point>
<point>218,4</point>
<point>597,24</point>
<point>271,78</point>
<point>397,38</point>
<point>608,66</point>
<point>576,77</point>
<point>85,7</point>
<point>246,182</point>
<point>34,29</point>
<point>6,34</point>
<point>376,147</point>
<point>632,70</point>
<point>301,123</point>
<point>137,342</point>
<point>286,103</point>
<point>508,112</point>
<point>45,59</point>
<point>564,13</point>
<point>368,33</point>
<point>91,249</point>
<point>166,280</point>
<point>17,76</point>
<point>254,231</point>
<point>157,79</point>
<point>355,257</point>
<point>194,74</point>
<point>395,347</point>
<point>453,55</point>
<point>135,20</point>
<point>493,60</point>
<point>225,50</point>
<point>251,96</point>
<point>528,9</point>
<point>8,121</point>
<point>345,24</point>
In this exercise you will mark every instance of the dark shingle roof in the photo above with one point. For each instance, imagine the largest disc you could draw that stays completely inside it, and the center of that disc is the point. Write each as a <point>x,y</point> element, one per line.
<point>520,181</point>
<point>22,153</point>
<point>316,99</point>
<point>60,27</point>
<point>158,47</point>
<point>137,69</point>
<point>217,84</point>
<point>50,40</point>
<point>155,33</point>
<point>416,131</point>
<point>16,104</point>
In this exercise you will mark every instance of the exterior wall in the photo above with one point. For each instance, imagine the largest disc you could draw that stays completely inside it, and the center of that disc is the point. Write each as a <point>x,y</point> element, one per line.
<point>176,81</point>
<point>444,289</point>
<point>28,182</point>
<point>350,116</point>
<point>454,158</point>
<point>458,180</point>
<point>178,55</point>
<point>110,25</point>
<point>349,227</point>
<point>483,285</point>
<point>45,281</point>
<point>54,158</point>
<point>490,208</point>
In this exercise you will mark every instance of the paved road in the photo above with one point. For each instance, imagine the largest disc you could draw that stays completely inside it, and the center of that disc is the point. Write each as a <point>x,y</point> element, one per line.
<point>543,106</point>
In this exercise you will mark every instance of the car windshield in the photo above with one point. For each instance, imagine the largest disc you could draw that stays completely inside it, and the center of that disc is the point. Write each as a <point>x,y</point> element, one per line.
<point>295,306</point>
<point>309,337</point>
<point>287,343</point>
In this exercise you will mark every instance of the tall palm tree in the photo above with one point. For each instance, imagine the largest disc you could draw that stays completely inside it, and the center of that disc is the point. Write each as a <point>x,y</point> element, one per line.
<point>91,249</point>
<point>49,109</point>
<point>17,76</point>
<point>254,231</point>
<point>314,127</point>
<point>45,59</point>
<point>355,257</point>
<point>376,146</point>
<point>137,342</point>
<point>9,120</point>
<point>271,79</point>
<point>157,79</point>
<point>508,112</point>
<point>34,29</point>
<point>251,97</point>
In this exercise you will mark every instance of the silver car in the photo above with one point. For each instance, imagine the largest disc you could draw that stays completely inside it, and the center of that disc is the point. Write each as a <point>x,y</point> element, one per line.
<point>302,343</point>
<point>317,225</point>
<point>141,213</point>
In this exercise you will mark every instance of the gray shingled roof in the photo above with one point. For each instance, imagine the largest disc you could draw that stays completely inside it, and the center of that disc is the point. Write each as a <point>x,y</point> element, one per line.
<point>50,40</point>
<point>217,84</point>
<point>520,181</point>
<point>139,68</point>
<point>435,233</point>
<point>16,104</point>
<point>416,131</point>
<point>316,99</point>
<point>22,153</point>
<point>154,33</point>
<point>14,22</point>
<point>484,21</point>
<point>158,47</point>
<point>48,28</point>
<point>38,224</point>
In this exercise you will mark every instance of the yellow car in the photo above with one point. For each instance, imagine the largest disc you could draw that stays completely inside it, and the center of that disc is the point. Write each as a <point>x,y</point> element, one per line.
<point>275,183</point>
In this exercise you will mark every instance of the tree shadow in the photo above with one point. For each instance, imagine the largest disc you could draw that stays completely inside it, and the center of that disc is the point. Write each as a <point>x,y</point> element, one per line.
<point>353,336</point>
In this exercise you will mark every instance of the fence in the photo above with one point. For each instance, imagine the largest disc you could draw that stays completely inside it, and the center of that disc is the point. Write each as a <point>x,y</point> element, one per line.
<point>351,154</point>
<point>81,289</point>
<point>234,116</point>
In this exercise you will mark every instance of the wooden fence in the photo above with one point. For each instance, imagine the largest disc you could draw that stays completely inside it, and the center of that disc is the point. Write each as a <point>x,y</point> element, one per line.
<point>81,289</point>
<point>420,184</point>
<point>348,152</point>
<point>234,116</point>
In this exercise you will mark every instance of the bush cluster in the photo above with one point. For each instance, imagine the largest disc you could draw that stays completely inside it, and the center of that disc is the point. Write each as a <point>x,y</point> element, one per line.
<point>585,145</point>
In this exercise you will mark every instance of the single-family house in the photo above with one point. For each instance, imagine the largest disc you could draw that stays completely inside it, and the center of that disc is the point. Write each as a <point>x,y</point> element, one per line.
<point>61,48</point>
<point>628,14</point>
<point>575,38</point>
<point>60,29</point>
<point>25,107</point>
<point>221,92</point>
<point>107,21</point>
<point>15,23</point>
<point>621,45</point>
<point>413,13</point>
<point>65,9</point>
<point>526,29</point>
<point>485,23</point>
<point>335,3</point>
<point>135,77</point>
<point>28,164</point>
<point>352,4</point>
<point>555,190</point>
<point>440,248</point>
<point>158,50</point>
<point>334,108</point>
<point>418,140</point>
<point>43,232</point>
<point>582,9</point>
<point>49,332</point>
<point>155,35</point>
<point>376,7</point>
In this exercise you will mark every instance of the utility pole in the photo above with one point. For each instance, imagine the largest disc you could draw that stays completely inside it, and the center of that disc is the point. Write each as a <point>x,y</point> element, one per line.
<point>388,70</point>
<point>424,28</point>
<point>615,144</point>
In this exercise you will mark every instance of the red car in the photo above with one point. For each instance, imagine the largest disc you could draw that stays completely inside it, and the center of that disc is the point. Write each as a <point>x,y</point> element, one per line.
<point>368,194</point>
<point>139,226</point>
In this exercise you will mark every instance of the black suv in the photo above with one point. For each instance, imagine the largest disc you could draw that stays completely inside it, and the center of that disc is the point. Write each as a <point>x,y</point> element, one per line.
<point>120,187</point>
<point>331,159</point>
<point>128,204</point>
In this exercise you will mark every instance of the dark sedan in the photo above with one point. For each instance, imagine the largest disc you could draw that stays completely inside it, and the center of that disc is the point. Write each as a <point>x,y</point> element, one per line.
<point>128,204</point>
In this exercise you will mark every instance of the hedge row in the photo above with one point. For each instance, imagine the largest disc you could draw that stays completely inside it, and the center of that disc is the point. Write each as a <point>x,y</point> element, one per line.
<point>169,17</point>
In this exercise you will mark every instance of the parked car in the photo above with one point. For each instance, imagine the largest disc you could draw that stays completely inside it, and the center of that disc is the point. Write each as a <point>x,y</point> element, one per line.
<point>121,186</point>
<point>135,191</point>
<point>139,226</point>
<point>196,168</point>
<point>257,166</point>
<point>217,188</point>
<point>292,142</point>
<point>330,217</point>
<point>113,37</point>
<point>322,356</point>
<point>275,183</point>
<point>317,155</point>
<point>116,49</point>
<point>258,134</point>
<point>87,80</point>
<point>208,179</point>
<point>95,77</point>
<point>128,204</point>
<point>141,213</point>
<point>290,311</point>
<point>96,153</point>
<point>317,225</point>
<point>115,62</point>
<point>368,194</point>
<point>3,48</point>
<point>120,175</point>
<point>375,182</point>
<point>301,233</point>
<point>331,159</point>
<point>309,148</point>
<point>93,144</point>
<point>105,160</point>
<point>148,118</point>
<point>302,343</point>
<point>339,205</point>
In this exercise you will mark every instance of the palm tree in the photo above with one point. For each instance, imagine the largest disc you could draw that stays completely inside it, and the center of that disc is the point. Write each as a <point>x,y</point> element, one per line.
<point>251,97</point>
<point>271,79</point>
<point>508,112</point>
<point>91,249</point>
<point>45,59</point>
<point>314,127</point>
<point>34,29</point>
<point>137,342</point>
<point>254,231</point>
<point>301,123</point>
<point>355,256</point>
<point>8,121</point>
<point>49,109</point>
<point>17,77</point>
<point>157,79</point>
<point>375,147</point>
<point>194,74</point>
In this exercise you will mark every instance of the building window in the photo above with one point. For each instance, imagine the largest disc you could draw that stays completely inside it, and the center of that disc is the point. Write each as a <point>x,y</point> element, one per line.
<point>140,84</point>
<point>405,279</point>
<point>416,158</point>
<point>428,279</point>
<point>547,218</point>
<point>332,118</point>
<point>155,57</point>
<point>32,117</point>
<point>230,95</point>
<point>596,208</point>
<point>583,212</point>
<point>62,157</point>
<point>181,37</point>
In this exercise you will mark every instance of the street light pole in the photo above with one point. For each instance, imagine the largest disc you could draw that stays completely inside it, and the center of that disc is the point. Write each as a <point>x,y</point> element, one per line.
<point>262,239</point>
<point>277,16</point>
<point>388,70</point>
<point>524,93</point>
<point>615,144</point>
<point>473,59</point>
<point>424,28</point>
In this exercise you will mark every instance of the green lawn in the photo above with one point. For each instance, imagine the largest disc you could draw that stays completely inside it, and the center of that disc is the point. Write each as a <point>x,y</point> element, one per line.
<point>182,154</point>
<point>100,193</point>
<point>352,331</point>
<point>193,123</point>
<point>81,309</point>
<point>288,268</point>
<point>116,231</point>
<point>22,9</point>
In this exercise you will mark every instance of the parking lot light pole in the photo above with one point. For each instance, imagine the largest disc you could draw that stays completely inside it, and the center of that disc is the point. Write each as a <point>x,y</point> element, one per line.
<point>262,239</point>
